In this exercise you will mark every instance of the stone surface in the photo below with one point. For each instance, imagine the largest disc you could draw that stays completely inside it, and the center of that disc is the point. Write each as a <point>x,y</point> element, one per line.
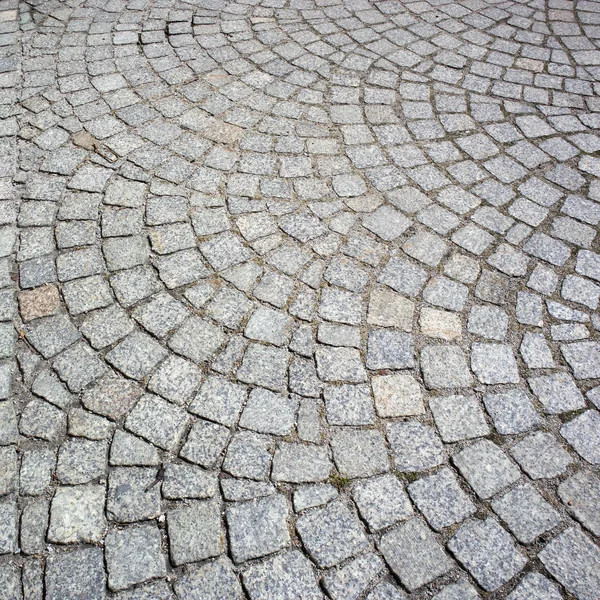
<point>337,252</point>
<point>487,551</point>
<point>414,555</point>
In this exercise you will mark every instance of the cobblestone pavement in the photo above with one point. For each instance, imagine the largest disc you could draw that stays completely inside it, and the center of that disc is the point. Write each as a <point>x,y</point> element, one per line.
<point>303,297</point>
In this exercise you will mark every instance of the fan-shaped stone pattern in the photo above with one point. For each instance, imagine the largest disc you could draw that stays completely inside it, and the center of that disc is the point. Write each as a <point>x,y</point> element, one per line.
<point>273,257</point>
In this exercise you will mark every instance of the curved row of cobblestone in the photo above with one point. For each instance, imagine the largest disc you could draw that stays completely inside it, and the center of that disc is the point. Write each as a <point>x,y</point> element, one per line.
<point>307,300</point>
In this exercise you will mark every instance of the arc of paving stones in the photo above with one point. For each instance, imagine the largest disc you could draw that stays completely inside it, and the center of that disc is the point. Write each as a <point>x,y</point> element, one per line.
<point>307,301</point>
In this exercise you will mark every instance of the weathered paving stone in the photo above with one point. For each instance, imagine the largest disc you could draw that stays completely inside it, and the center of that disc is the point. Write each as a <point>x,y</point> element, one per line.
<point>441,499</point>
<point>249,455</point>
<point>572,558</point>
<point>131,496</point>
<point>580,493</point>
<point>526,513</point>
<point>258,527</point>
<point>415,447</point>
<point>458,591</point>
<point>359,453</point>
<point>397,395</point>
<point>350,581</point>
<point>134,555</point>
<point>77,514</point>
<point>158,421</point>
<point>381,501</point>
<point>414,555</point>
<point>349,405</point>
<point>582,434</point>
<point>76,574</point>
<point>488,552</point>
<point>486,467</point>
<point>541,455</point>
<point>558,393</point>
<point>534,586</point>
<point>267,412</point>
<point>286,575</point>
<point>458,417</point>
<point>445,367</point>
<point>299,463</point>
<point>494,363</point>
<point>195,532</point>
<point>331,534</point>
<point>512,411</point>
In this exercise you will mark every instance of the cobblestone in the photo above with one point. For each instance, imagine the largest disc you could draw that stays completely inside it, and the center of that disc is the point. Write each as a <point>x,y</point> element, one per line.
<point>295,296</point>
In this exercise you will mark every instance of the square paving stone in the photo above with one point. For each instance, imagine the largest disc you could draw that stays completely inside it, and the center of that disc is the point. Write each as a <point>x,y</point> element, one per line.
<point>205,443</point>
<point>403,276</point>
<point>195,532</point>
<point>381,501</point>
<point>331,534</point>
<point>445,367</point>
<point>176,379</point>
<point>581,495</point>
<point>42,420</point>
<point>134,555</point>
<point>37,468</point>
<point>494,363</point>
<point>257,528</point>
<point>137,355</point>
<point>557,392</point>
<point>486,467</point>
<point>390,350</point>
<point>157,421</point>
<point>249,455</point>
<point>574,560</point>
<point>459,591</point>
<point>77,515</point>
<point>541,455</point>
<point>583,434</point>
<point>458,417</point>
<point>583,358</point>
<point>214,580</point>
<point>52,335</point>
<point>79,366</point>
<point>112,396</point>
<point>414,555</point>
<point>389,309</point>
<point>75,575</point>
<point>535,587</point>
<point>188,481</point>
<point>415,447</point>
<point>131,495</point>
<point>350,581</point>
<point>488,552</point>
<point>197,339</point>
<point>386,591</point>
<point>349,405</point>
<point>299,463</point>
<point>270,326</point>
<point>81,460</point>
<point>359,452</point>
<point>340,364</point>
<point>267,412</point>
<point>397,395</point>
<point>488,321</point>
<point>287,575</point>
<point>512,411</point>
<point>526,513</point>
<point>219,400</point>
<point>441,499</point>
<point>265,366</point>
